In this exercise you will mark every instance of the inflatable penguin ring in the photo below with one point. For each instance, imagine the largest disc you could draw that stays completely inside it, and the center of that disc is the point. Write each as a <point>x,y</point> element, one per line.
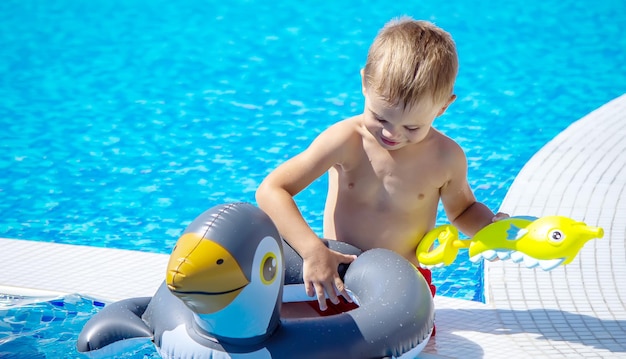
<point>228,284</point>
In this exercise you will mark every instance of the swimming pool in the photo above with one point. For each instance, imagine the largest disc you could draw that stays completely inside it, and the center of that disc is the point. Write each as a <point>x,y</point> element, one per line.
<point>123,120</point>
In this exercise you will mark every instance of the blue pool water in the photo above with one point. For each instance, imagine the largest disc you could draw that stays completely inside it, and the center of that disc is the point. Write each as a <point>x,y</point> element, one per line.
<point>123,120</point>
<point>49,328</point>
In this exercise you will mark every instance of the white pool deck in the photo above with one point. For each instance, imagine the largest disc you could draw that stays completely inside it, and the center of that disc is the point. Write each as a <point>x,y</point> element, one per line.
<point>578,310</point>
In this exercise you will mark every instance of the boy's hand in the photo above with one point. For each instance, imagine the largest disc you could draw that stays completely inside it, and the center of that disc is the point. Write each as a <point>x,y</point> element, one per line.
<point>500,216</point>
<point>321,277</point>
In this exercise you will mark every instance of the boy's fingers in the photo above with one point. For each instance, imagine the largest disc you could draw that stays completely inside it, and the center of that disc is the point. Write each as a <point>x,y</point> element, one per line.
<point>499,216</point>
<point>331,293</point>
<point>308,287</point>
<point>321,297</point>
<point>341,288</point>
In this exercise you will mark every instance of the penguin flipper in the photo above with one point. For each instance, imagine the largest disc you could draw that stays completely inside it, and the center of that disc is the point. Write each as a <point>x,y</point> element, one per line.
<point>117,321</point>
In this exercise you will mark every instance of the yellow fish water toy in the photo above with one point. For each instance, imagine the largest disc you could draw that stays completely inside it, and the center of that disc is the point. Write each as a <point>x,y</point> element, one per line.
<point>546,242</point>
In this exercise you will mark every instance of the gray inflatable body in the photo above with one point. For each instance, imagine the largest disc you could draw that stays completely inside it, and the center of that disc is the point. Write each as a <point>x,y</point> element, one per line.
<point>209,313</point>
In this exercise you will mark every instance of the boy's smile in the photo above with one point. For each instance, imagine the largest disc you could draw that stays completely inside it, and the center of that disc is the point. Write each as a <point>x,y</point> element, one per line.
<point>389,142</point>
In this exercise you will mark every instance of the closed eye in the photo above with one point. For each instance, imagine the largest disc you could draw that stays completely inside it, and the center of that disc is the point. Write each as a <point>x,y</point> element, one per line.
<point>377,117</point>
<point>380,119</point>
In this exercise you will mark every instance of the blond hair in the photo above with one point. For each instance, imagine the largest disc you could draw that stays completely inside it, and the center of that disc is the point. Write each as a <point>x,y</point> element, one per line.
<point>410,60</point>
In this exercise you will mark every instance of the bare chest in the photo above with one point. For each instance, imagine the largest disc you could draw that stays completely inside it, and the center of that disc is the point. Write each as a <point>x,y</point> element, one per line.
<point>385,181</point>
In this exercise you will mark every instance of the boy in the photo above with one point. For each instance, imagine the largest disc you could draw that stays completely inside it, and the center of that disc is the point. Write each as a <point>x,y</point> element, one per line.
<point>388,168</point>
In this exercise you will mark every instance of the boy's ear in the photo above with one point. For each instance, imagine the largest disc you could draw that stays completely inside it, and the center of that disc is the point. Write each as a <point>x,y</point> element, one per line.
<point>363,83</point>
<point>448,103</point>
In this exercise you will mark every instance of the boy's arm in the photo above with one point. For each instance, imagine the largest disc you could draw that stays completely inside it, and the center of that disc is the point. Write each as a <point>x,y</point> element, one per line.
<point>460,204</point>
<point>275,197</point>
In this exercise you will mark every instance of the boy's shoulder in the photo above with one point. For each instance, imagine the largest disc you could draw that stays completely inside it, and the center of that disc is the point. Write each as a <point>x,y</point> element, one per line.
<point>446,146</point>
<point>350,123</point>
<point>444,139</point>
<point>341,135</point>
<point>346,128</point>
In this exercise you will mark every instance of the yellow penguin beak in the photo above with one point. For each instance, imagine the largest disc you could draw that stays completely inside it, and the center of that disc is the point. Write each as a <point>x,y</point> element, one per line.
<point>203,274</point>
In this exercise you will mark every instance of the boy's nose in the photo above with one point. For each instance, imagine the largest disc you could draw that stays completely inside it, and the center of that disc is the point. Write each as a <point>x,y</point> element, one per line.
<point>390,132</point>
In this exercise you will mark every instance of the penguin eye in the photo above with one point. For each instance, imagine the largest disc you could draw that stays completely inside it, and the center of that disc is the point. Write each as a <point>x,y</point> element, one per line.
<point>269,268</point>
<point>556,236</point>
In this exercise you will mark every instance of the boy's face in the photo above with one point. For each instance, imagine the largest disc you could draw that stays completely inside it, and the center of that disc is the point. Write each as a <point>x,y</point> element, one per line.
<point>395,127</point>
